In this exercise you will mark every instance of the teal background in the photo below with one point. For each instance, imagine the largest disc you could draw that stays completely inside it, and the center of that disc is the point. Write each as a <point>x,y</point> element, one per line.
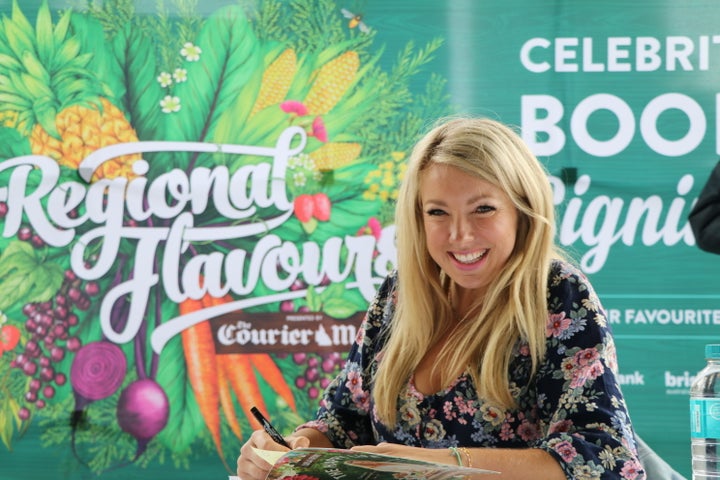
<point>480,60</point>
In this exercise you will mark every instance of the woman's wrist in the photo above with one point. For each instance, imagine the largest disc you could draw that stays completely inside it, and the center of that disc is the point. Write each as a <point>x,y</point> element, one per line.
<point>455,452</point>
<point>462,456</point>
<point>468,457</point>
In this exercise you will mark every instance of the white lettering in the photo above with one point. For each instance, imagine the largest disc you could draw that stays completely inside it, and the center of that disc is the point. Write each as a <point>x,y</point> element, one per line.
<point>603,221</point>
<point>621,54</point>
<point>542,114</point>
<point>155,221</point>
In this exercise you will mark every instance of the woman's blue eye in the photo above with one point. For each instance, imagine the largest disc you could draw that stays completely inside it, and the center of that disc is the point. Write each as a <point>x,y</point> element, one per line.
<point>485,209</point>
<point>435,212</point>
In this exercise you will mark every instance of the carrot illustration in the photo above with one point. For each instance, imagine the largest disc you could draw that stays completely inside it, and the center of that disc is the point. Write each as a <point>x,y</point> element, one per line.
<point>242,379</point>
<point>272,374</point>
<point>226,401</point>
<point>202,371</point>
<point>237,371</point>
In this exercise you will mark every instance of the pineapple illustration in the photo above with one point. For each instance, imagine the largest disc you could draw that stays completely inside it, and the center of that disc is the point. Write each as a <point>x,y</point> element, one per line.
<point>49,94</point>
<point>9,119</point>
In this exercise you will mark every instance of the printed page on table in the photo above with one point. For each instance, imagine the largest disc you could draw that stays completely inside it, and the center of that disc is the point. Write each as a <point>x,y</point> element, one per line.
<point>333,464</point>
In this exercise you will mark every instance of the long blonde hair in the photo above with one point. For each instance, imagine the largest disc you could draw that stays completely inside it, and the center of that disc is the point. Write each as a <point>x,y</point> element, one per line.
<point>515,305</point>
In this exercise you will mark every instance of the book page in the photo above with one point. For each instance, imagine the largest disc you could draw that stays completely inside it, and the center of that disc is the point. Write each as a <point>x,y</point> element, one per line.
<point>270,456</point>
<point>339,464</point>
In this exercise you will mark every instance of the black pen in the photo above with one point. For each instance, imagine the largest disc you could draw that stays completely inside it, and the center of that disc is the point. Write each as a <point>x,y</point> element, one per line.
<point>267,426</point>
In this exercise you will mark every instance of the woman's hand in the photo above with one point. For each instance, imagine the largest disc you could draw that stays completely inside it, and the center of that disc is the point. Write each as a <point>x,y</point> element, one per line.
<point>250,466</point>
<point>436,455</point>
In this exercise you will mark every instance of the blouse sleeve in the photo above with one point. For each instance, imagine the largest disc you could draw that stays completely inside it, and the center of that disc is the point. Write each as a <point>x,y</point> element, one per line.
<point>344,412</point>
<point>705,215</point>
<point>589,430</point>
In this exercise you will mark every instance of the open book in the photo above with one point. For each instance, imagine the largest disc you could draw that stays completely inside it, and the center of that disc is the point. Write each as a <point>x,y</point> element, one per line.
<point>337,464</point>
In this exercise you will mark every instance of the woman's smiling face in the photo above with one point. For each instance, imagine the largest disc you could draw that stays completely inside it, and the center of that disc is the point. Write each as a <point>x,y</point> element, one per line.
<point>470,226</point>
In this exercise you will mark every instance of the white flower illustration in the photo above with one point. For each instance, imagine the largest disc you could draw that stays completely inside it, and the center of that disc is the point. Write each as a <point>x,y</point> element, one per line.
<point>191,52</point>
<point>164,79</point>
<point>299,179</point>
<point>170,104</point>
<point>180,75</point>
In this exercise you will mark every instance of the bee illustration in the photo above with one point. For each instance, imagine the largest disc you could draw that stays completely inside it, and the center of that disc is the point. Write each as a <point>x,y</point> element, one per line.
<point>355,20</point>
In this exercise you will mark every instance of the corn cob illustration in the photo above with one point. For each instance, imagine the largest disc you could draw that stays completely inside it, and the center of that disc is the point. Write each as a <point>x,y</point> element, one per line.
<point>276,81</point>
<point>57,100</point>
<point>332,81</point>
<point>334,155</point>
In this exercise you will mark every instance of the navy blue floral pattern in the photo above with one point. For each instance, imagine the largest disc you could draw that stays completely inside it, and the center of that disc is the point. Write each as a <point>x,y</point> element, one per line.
<point>572,408</point>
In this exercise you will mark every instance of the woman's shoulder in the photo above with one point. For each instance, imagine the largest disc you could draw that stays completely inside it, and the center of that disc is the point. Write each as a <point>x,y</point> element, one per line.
<point>563,271</point>
<point>389,285</point>
<point>569,287</point>
<point>383,305</point>
<point>576,312</point>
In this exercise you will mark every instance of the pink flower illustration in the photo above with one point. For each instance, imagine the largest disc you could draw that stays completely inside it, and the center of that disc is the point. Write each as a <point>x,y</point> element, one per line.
<point>448,411</point>
<point>588,372</point>
<point>361,399</point>
<point>318,129</point>
<point>528,431</point>
<point>294,106</point>
<point>561,426</point>
<point>373,228</point>
<point>506,432</point>
<point>465,406</point>
<point>557,323</point>
<point>630,470</point>
<point>354,382</point>
<point>566,451</point>
<point>587,357</point>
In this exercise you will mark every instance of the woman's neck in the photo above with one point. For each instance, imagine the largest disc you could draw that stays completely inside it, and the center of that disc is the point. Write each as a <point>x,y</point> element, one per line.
<point>463,301</point>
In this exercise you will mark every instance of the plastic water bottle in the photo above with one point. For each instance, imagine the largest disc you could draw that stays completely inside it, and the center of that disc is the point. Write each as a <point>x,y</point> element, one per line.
<point>705,418</point>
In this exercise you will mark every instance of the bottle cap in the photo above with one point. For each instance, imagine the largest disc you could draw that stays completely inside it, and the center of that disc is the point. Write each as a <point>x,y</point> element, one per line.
<point>712,351</point>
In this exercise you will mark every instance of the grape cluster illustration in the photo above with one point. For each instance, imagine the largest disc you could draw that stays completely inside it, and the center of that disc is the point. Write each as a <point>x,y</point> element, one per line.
<point>320,369</point>
<point>49,325</point>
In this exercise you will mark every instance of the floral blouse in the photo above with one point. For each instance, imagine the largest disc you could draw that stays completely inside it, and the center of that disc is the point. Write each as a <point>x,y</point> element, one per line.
<point>572,408</point>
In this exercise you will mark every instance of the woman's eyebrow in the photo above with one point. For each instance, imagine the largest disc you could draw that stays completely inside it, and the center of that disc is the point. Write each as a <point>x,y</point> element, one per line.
<point>475,199</point>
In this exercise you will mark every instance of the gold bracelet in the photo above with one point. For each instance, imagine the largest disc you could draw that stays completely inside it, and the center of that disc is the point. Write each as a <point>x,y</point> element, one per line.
<point>454,451</point>
<point>467,455</point>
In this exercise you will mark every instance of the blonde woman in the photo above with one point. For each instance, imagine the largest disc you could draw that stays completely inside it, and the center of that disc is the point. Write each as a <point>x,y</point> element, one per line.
<point>485,348</point>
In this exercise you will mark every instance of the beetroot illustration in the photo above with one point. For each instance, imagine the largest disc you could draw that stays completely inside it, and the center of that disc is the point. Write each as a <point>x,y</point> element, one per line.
<point>143,411</point>
<point>97,371</point>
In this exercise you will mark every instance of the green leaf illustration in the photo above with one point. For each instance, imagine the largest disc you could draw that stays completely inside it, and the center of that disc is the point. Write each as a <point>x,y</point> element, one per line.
<point>87,31</point>
<point>12,143</point>
<point>314,300</point>
<point>135,57</point>
<point>25,277</point>
<point>229,56</point>
<point>185,422</point>
<point>12,385</point>
<point>339,308</point>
